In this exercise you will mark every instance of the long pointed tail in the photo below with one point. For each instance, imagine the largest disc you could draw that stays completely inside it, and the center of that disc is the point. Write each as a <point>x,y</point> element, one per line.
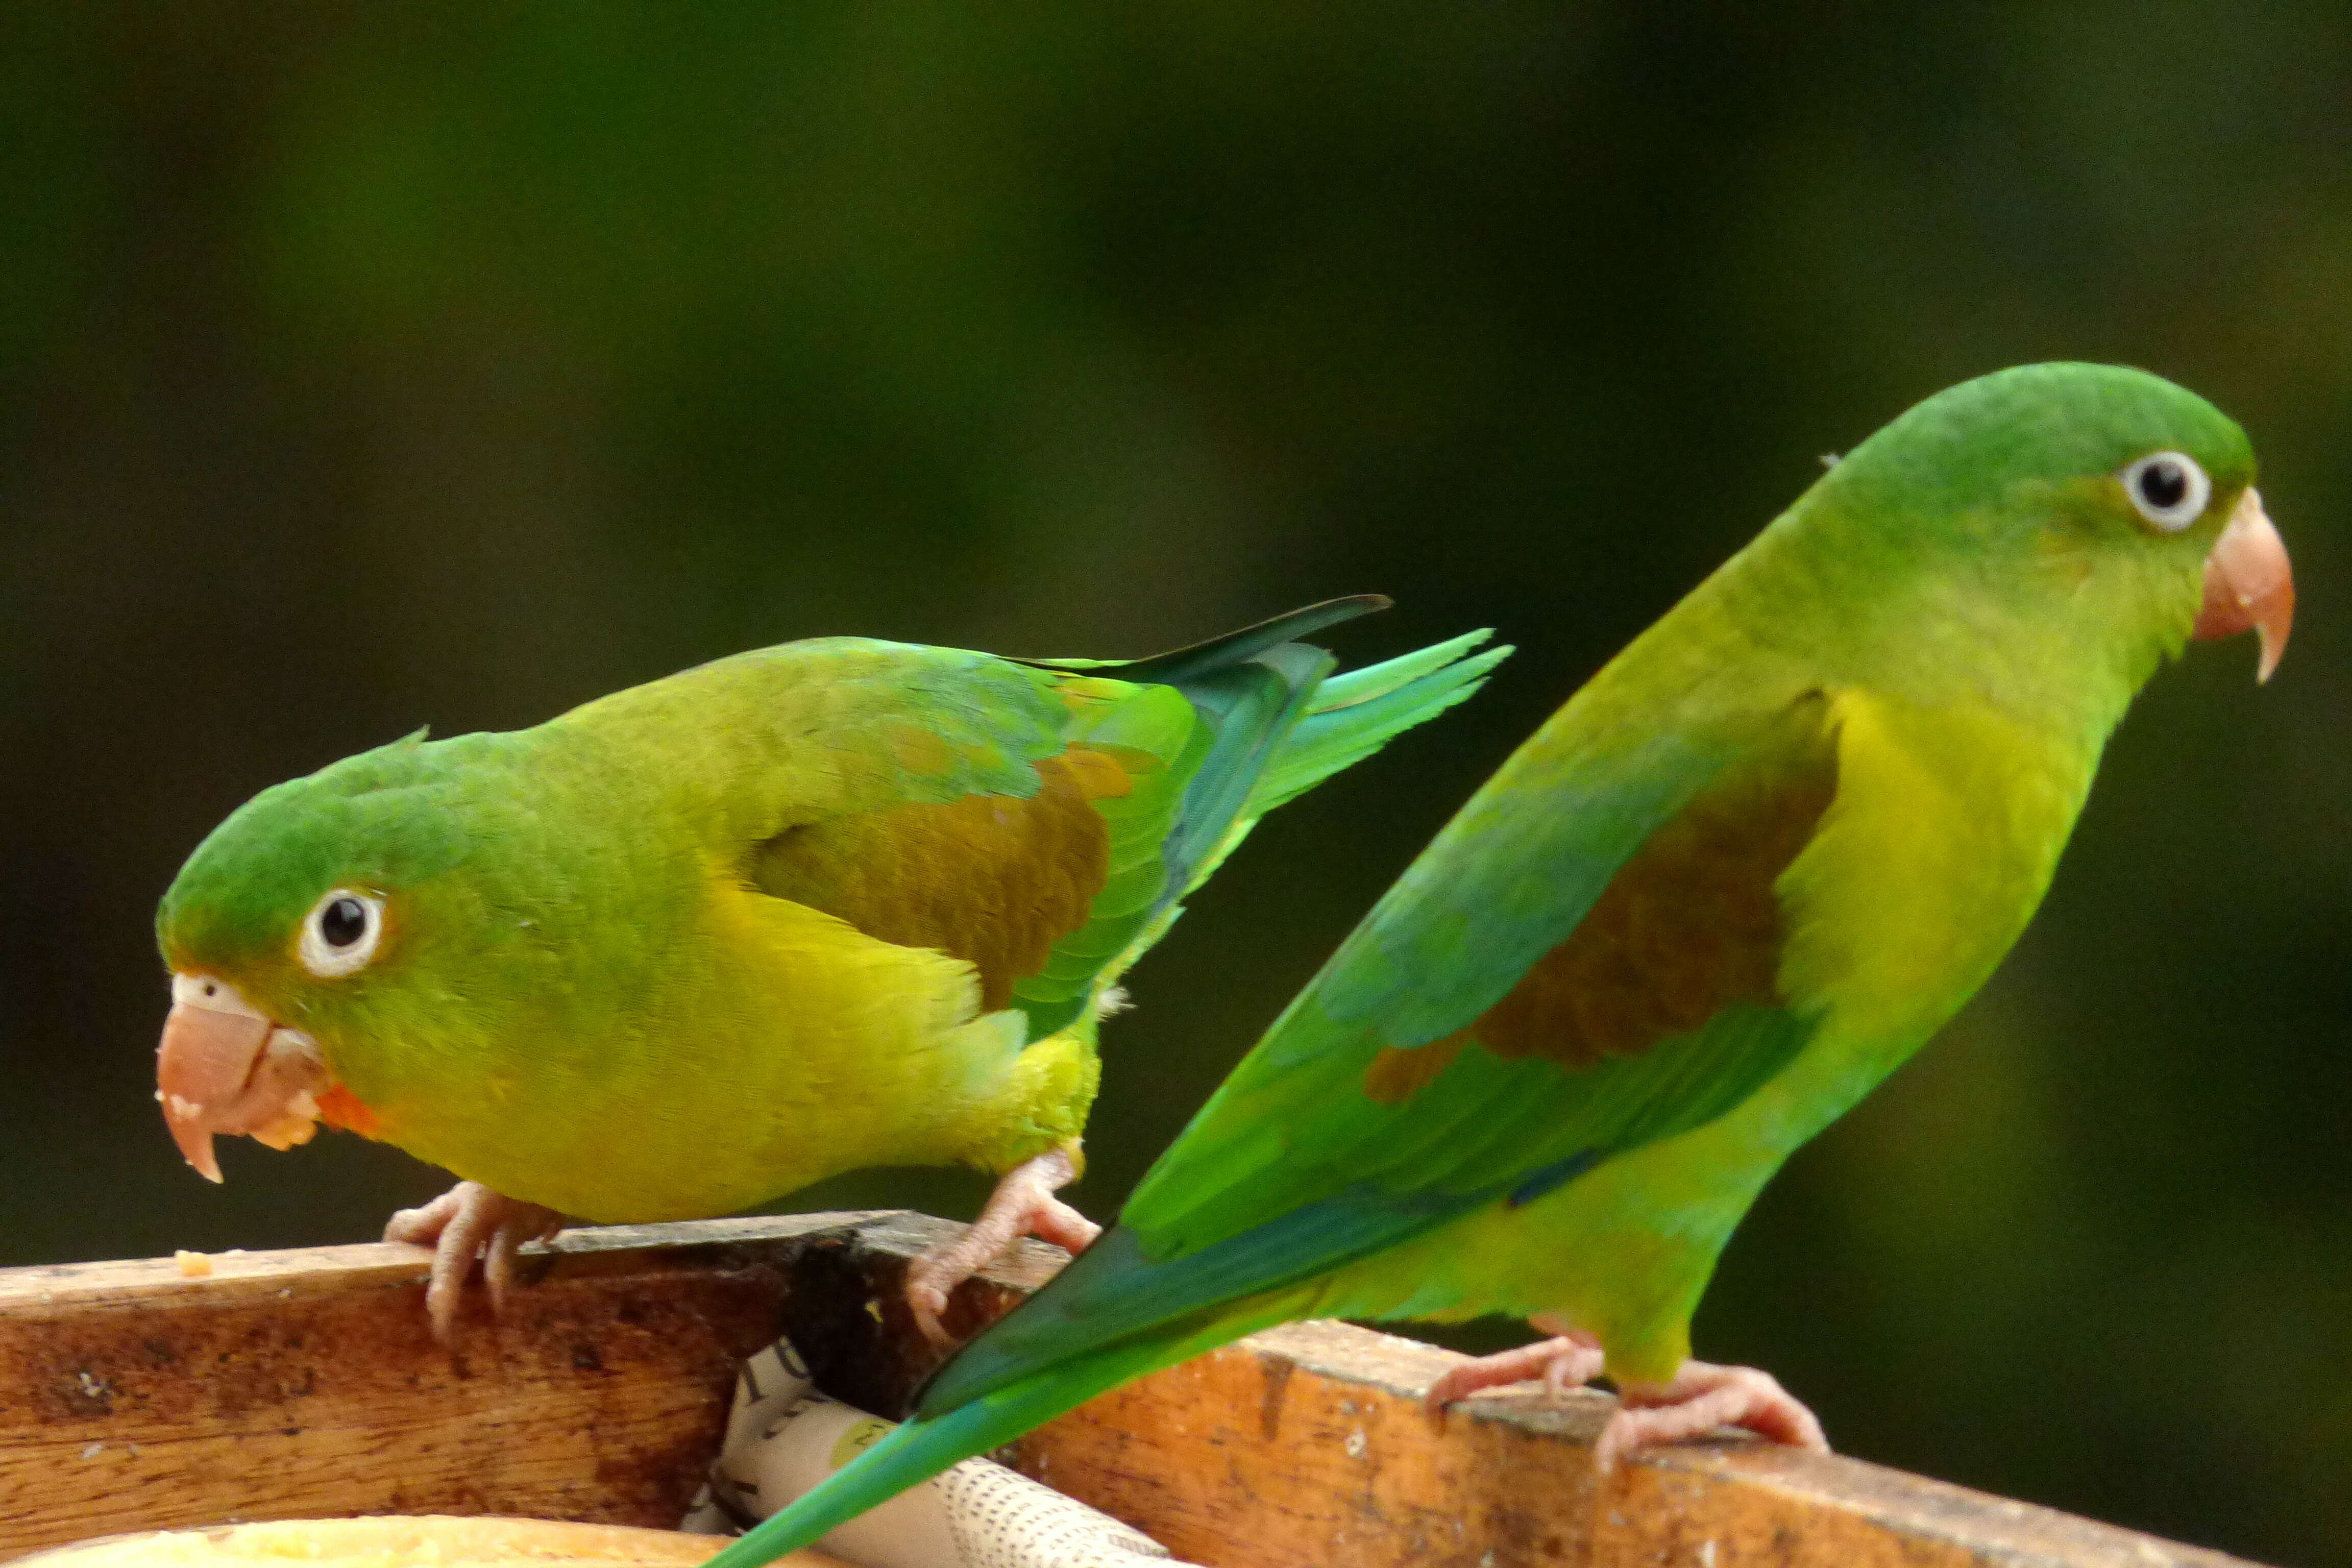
<point>1353,715</point>
<point>922,1450</point>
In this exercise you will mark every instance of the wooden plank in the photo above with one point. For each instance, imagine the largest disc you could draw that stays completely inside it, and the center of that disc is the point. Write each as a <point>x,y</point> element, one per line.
<point>1307,1445</point>
<point>303,1382</point>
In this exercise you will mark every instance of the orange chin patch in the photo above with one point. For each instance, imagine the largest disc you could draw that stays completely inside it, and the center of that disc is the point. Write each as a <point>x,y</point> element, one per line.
<point>340,1109</point>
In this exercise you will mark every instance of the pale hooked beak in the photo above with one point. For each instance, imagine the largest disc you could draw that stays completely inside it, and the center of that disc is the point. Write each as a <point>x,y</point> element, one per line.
<point>224,1067</point>
<point>2249,585</point>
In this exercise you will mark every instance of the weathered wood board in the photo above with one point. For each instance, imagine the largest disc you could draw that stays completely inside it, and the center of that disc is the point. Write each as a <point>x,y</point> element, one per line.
<point>304,1383</point>
<point>287,1385</point>
<point>1308,1445</point>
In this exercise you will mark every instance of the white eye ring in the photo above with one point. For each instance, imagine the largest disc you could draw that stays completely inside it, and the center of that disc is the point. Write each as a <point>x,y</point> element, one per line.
<point>2168,489</point>
<point>341,932</point>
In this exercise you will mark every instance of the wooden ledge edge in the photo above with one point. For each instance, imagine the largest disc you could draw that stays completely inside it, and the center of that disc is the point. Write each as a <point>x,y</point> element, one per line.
<point>1328,1416</point>
<point>1306,1444</point>
<point>144,1283</point>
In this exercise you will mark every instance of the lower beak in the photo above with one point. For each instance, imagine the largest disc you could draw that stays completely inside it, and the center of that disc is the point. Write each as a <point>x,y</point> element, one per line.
<point>2249,586</point>
<point>224,1068</point>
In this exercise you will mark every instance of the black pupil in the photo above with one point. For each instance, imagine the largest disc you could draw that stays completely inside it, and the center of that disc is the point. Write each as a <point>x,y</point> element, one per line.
<point>2163,485</point>
<point>343,922</point>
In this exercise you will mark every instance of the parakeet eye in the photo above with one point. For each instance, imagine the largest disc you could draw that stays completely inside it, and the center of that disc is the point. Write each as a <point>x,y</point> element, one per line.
<point>341,935</point>
<point>2168,489</point>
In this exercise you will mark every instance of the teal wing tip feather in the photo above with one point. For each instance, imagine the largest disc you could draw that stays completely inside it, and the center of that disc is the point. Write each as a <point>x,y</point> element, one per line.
<point>1351,716</point>
<point>927,1445</point>
<point>905,1458</point>
<point>1375,680</point>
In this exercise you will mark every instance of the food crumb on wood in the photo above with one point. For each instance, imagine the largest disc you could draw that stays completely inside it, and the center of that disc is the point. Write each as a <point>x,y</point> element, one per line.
<point>193,1265</point>
<point>93,1451</point>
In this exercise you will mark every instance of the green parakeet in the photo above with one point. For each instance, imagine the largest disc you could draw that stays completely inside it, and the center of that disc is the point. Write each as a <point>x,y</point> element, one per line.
<point>1745,872</point>
<point>688,948</point>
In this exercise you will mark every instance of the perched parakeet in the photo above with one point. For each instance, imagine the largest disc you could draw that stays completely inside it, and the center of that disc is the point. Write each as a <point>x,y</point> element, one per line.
<point>693,946</point>
<point>1743,874</point>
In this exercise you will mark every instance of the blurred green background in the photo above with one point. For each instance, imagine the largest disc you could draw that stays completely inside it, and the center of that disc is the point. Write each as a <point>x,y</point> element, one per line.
<point>363,367</point>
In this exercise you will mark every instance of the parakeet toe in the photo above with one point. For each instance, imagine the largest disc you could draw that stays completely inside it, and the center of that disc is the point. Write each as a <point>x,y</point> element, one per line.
<point>1022,1204</point>
<point>1570,1359</point>
<point>467,1222</point>
<point>1701,1397</point>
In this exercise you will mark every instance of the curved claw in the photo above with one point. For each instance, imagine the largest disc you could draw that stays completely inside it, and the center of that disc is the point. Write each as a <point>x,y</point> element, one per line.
<point>467,1222</point>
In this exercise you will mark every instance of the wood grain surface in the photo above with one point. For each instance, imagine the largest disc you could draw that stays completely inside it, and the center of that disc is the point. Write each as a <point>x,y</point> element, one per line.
<point>301,1384</point>
<point>1307,1445</point>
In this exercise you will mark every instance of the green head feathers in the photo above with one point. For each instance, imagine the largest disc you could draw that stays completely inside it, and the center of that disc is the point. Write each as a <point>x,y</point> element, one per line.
<point>1987,445</point>
<point>390,824</point>
<point>2036,530</point>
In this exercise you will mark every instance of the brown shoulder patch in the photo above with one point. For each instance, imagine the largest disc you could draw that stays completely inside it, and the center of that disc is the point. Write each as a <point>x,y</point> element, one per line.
<point>994,880</point>
<point>1689,925</point>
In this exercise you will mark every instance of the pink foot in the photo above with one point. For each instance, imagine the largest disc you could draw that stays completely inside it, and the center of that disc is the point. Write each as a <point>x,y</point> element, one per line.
<point>1701,1397</point>
<point>1569,1359</point>
<point>470,1221</point>
<point>1022,1204</point>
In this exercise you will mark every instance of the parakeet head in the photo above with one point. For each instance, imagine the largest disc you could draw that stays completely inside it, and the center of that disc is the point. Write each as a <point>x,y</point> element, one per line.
<point>2074,516</point>
<point>304,917</point>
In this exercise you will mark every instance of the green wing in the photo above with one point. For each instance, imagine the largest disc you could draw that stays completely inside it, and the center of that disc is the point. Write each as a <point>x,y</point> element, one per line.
<point>1041,819</point>
<point>1582,962</point>
<point>1011,817</point>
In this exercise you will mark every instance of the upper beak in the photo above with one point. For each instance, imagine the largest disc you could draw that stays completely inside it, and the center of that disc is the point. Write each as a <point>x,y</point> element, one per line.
<point>224,1067</point>
<point>2249,584</point>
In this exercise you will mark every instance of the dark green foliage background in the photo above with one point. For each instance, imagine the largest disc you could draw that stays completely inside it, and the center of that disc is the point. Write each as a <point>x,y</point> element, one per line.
<point>361,367</point>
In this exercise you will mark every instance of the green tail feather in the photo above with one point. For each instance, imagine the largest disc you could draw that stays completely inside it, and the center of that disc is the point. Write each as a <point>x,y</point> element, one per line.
<point>1353,715</point>
<point>922,1450</point>
<point>1380,680</point>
